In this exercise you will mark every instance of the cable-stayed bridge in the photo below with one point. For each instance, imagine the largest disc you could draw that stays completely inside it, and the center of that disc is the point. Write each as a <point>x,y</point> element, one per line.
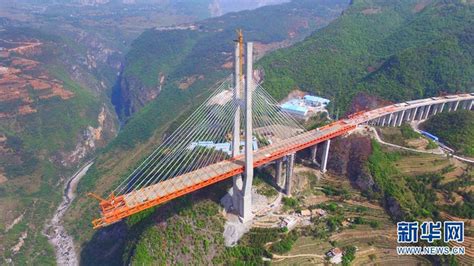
<point>238,128</point>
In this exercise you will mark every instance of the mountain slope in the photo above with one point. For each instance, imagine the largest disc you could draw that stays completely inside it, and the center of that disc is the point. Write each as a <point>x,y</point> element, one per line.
<point>455,129</point>
<point>208,52</point>
<point>398,50</point>
<point>191,56</point>
<point>48,124</point>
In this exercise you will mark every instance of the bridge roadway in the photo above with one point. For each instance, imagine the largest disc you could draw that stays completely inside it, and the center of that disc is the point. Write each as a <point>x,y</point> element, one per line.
<point>118,207</point>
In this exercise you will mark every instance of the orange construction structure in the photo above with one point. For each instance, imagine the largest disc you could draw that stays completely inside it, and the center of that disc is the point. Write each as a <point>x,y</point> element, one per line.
<point>115,208</point>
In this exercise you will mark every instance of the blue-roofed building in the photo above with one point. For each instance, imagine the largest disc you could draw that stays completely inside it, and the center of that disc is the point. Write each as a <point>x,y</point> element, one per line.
<point>315,101</point>
<point>295,107</point>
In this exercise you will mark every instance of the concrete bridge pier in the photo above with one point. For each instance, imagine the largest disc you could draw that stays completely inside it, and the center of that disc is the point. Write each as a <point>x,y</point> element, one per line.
<point>278,172</point>
<point>393,121</point>
<point>407,115</point>
<point>467,105</point>
<point>427,113</point>
<point>378,122</point>
<point>413,116</point>
<point>441,108</point>
<point>314,150</point>
<point>324,160</point>
<point>391,117</point>
<point>450,106</point>
<point>382,123</point>
<point>422,112</point>
<point>290,164</point>
<point>400,120</point>
<point>237,186</point>
<point>456,105</point>
<point>435,109</point>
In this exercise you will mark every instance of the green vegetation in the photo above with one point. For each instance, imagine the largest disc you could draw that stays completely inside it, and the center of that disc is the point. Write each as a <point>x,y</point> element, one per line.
<point>393,186</point>
<point>455,129</point>
<point>333,191</point>
<point>349,255</point>
<point>57,124</point>
<point>200,55</point>
<point>431,145</point>
<point>334,222</point>
<point>34,157</point>
<point>373,223</point>
<point>382,169</point>
<point>408,132</point>
<point>416,196</point>
<point>391,49</point>
<point>397,135</point>
<point>285,244</point>
<point>262,181</point>
<point>251,248</point>
<point>190,233</point>
<point>464,209</point>
<point>179,55</point>
<point>290,203</point>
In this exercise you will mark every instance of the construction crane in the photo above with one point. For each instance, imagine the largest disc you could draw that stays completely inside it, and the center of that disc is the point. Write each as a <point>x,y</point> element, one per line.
<point>240,40</point>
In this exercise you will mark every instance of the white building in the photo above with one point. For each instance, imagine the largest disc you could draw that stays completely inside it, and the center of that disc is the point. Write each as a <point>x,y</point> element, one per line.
<point>289,222</point>
<point>223,147</point>
<point>295,107</point>
<point>315,101</point>
<point>335,255</point>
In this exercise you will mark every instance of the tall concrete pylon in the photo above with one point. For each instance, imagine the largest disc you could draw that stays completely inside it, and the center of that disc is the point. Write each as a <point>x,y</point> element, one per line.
<point>246,213</point>
<point>237,180</point>
<point>242,189</point>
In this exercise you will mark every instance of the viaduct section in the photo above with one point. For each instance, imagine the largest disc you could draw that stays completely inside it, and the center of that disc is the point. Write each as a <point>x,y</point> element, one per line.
<point>393,115</point>
<point>281,154</point>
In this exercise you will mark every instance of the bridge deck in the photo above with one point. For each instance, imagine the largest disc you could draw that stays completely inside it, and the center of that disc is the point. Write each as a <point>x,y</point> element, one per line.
<point>190,179</point>
<point>116,208</point>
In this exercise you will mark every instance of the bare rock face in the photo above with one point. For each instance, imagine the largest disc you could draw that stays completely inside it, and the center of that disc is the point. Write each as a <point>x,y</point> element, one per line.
<point>394,209</point>
<point>363,101</point>
<point>91,138</point>
<point>132,94</point>
<point>349,156</point>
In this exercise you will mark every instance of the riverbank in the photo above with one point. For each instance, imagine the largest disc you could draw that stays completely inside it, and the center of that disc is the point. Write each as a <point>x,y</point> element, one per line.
<point>54,230</point>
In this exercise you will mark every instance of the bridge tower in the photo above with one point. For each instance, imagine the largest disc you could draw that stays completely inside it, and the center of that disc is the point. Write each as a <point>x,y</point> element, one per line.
<point>242,187</point>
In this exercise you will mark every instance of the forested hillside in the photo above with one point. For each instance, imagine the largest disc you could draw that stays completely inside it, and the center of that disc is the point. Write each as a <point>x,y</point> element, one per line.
<point>187,58</point>
<point>455,129</point>
<point>397,50</point>
<point>48,124</point>
<point>191,62</point>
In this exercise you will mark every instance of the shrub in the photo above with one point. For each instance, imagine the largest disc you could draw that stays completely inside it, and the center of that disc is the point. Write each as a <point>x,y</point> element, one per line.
<point>290,202</point>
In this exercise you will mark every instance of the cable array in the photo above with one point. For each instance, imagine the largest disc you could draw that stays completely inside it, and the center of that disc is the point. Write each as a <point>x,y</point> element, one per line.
<point>205,137</point>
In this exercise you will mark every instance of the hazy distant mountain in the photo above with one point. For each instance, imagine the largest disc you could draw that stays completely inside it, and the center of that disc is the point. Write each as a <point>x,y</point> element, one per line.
<point>220,7</point>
